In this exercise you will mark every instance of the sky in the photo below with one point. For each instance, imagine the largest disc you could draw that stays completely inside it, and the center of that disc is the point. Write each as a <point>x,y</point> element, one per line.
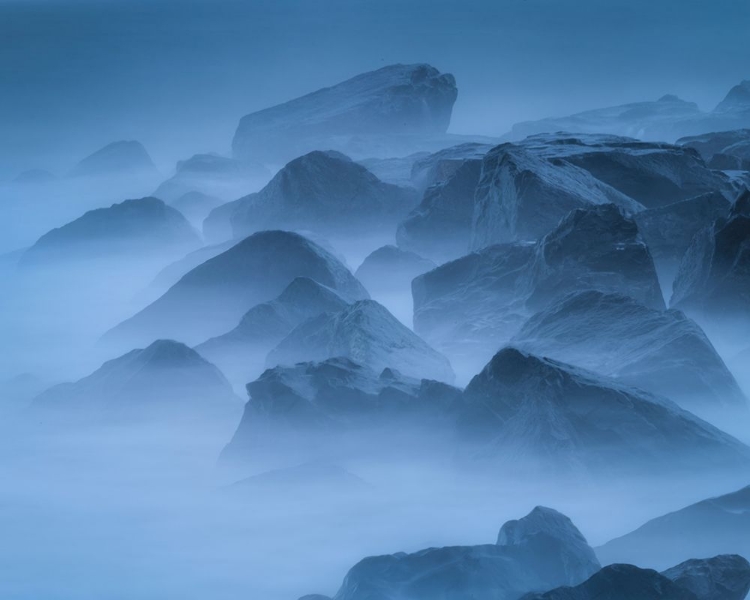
<point>178,74</point>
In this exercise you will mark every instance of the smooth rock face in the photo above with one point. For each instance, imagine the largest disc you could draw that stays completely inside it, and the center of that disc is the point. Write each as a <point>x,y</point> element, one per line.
<point>396,100</point>
<point>211,298</point>
<point>390,268</point>
<point>323,192</point>
<point>241,352</point>
<point>332,398</point>
<point>718,525</point>
<point>213,175</point>
<point>471,306</point>
<point>366,333</point>
<point>725,577</point>
<point>530,411</point>
<point>553,553</point>
<point>166,379</point>
<point>117,158</point>
<point>662,352</point>
<point>714,275</point>
<point>527,187</point>
<point>728,150</point>
<point>128,229</point>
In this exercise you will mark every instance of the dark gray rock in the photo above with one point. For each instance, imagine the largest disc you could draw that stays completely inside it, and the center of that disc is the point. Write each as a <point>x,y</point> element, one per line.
<point>241,352</point>
<point>326,193</point>
<point>527,412</point>
<point>727,150</point>
<point>394,100</point>
<point>662,352</point>
<point>549,552</point>
<point>211,298</point>
<point>130,229</point>
<point>390,269</point>
<point>366,333</point>
<point>725,577</point>
<point>719,525</point>
<point>165,380</point>
<point>117,158</point>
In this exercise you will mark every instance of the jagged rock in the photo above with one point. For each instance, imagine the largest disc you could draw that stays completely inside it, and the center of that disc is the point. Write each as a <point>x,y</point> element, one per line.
<point>527,187</point>
<point>195,206</point>
<point>324,192</point>
<point>211,298</point>
<point>368,334</point>
<point>719,525</point>
<point>714,275</point>
<point>725,577</point>
<point>130,228</point>
<point>241,352</point>
<point>117,158</point>
<point>332,398</point>
<point>662,352</point>
<point>390,269</point>
<point>728,150</point>
<point>471,306</point>
<point>213,175</point>
<point>394,100</point>
<point>526,412</point>
<point>553,553</point>
<point>669,230</point>
<point>166,379</point>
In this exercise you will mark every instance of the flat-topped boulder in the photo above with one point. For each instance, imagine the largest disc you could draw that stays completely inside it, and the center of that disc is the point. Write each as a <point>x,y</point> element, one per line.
<point>395,100</point>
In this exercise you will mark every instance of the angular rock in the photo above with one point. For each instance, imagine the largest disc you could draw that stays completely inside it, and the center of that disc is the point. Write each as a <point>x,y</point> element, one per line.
<point>366,333</point>
<point>725,577</point>
<point>662,352</point>
<point>394,100</point>
<point>211,298</point>
<point>130,229</point>
<point>554,553</point>
<point>525,412</point>
<point>439,166</point>
<point>117,158</point>
<point>727,150</point>
<point>241,352</point>
<point>391,269</point>
<point>213,175</point>
<point>323,192</point>
<point>165,380</point>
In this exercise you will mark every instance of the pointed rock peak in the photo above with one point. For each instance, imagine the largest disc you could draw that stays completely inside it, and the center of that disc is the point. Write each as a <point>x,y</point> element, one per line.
<point>168,353</point>
<point>511,365</point>
<point>738,98</point>
<point>390,374</point>
<point>541,520</point>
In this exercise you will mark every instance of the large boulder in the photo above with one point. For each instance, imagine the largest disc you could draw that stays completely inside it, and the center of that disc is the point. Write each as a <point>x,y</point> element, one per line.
<point>124,158</point>
<point>211,298</point>
<point>526,412</point>
<point>129,229</point>
<point>165,380</point>
<point>547,551</point>
<point>326,193</point>
<point>729,150</point>
<point>366,333</point>
<point>241,352</point>
<point>394,100</point>
<point>723,577</point>
<point>663,352</point>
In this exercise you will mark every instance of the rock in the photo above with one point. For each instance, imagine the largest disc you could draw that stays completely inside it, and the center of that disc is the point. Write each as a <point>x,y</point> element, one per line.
<point>620,582</point>
<point>118,158</point>
<point>195,206</point>
<point>719,525</point>
<point>725,577</point>
<point>241,352</point>
<point>727,150</point>
<point>527,412</point>
<point>469,307</point>
<point>210,299</point>
<point>301,483</point>
<point>394,100</point>
<point>129,229</point>
<point>391,269</point>
<point>213,175</point>
<point>527,187</point>
<point>737,100</point>
<point>714,275</point>
<point>662,352</point>
<point>438,167</point>
<point>332,404</point>
<point>33,176</point>
<point>393,170</point>
<point>366,333</point>
<point>554,553</point>
<point>165,380</point>
<point>323,192</point>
